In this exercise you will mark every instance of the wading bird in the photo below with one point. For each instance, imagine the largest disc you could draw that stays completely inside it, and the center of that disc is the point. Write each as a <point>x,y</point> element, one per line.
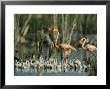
<point>67,49</point>
<point>87,47</point>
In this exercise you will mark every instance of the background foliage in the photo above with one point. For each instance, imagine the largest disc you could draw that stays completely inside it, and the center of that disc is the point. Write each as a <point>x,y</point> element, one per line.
<point>28,29</point>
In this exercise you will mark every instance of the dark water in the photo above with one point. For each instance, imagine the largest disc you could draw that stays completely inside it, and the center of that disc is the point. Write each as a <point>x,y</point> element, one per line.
<point>33,73</point>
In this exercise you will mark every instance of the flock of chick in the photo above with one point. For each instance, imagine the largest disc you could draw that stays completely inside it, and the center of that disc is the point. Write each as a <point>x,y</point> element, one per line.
<point>51,65</point>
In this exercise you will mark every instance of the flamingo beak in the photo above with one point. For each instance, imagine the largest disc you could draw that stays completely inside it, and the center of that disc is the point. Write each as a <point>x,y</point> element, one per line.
<point>74,49</point>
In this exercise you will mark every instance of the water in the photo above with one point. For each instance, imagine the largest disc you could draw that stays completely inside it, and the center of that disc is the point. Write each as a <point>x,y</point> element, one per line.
<point>34,73</point>
<point>79,54</point>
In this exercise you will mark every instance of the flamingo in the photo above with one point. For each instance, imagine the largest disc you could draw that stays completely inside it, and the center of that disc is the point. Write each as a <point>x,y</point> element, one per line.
<point>67,49</point>
<point>87,47</point>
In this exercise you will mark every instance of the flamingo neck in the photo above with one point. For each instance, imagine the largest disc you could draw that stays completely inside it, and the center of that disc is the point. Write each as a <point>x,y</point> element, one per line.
<point>57,46</point>
<point>83,45</point>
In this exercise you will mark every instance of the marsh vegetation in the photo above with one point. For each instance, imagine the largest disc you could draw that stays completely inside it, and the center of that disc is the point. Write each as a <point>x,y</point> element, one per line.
<point>55,44</point>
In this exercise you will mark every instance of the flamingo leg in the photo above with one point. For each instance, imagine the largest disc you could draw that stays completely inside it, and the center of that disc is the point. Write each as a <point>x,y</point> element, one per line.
<point>95,55</point>
<point>91,55</point>
<point>65,58</point>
